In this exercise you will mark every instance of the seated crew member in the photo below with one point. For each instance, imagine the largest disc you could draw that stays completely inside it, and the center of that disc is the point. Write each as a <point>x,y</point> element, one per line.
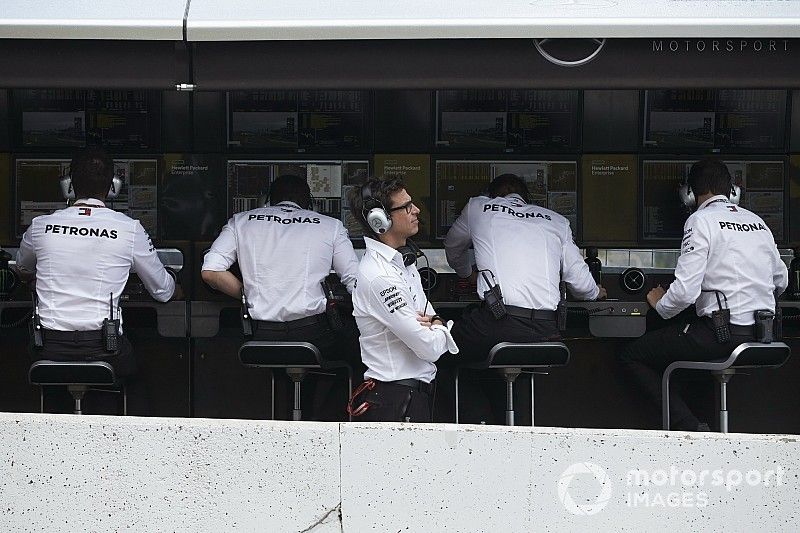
<point>727,252</point>
<point>527,250</point>
<point>81,257</point>
<point>401,335</point>
<point>285,251</point>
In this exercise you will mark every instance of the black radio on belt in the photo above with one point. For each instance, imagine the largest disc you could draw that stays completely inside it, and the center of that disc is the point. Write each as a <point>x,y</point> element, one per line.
<point>36,326</point>
<point>561,309</point>
<point>110,331</point>
<point>247,320</point>
<point>721,320</point>
<point>331,308</point>
<point>763,326</point>
<point>493,297</point>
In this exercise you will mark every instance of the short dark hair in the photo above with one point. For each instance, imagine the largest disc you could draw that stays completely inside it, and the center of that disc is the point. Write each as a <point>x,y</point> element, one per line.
<point>290,188</point>
<point>92,170</point>
<point>506,184</point>
<point>381,189</point>
<point>710,175</point>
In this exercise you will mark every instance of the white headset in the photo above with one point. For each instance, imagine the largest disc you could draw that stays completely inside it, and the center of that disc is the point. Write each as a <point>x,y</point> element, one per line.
<point>68,191</point>
<point>688,198</point>
<point>374,212</point>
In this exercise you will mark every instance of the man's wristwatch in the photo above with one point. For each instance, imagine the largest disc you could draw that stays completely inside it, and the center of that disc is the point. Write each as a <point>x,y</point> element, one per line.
<point>434,318</point>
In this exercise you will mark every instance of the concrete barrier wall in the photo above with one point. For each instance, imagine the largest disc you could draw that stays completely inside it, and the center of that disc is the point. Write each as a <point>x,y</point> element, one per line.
<point>67,473</point>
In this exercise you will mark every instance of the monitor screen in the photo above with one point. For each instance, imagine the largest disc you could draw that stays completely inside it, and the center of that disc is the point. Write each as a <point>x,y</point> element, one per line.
<point>708,120</point>
<point>552,184</point>
<point>330,183</point>
<point>507,120</point>
<point>663,214</point>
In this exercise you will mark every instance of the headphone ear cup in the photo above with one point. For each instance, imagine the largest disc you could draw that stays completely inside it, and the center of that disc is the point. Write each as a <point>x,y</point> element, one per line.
<point>686,195</point>
<point>378,220</point>
<point>116,186</point>
<point>736,194</point>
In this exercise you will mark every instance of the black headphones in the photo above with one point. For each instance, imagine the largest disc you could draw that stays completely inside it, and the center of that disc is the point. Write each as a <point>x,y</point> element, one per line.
<point>688,198</point>
<point>69,191</point>
<point>374,212</point>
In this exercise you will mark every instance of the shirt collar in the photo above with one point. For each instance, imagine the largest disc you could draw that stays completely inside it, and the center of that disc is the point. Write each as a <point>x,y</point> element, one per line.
<point>384,250</point>
<point>287,203</point>
<point>93,201</point>
<point>715,198</point>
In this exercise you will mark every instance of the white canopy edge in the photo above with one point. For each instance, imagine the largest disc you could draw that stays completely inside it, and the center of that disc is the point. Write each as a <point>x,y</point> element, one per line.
<point>150,20</point>
<point>245,20</point>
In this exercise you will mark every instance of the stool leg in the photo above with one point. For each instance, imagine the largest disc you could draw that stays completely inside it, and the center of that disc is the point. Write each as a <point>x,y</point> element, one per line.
<point>349,390</point>
<point>124,400</point>
<point>509,402</point>
<point>456,384</point>
<point>532,376</point>
<point>41,399</point>
<point>723,406</point>
<point>665,400</point>
<point>297,413</point>
<point>272,392</point>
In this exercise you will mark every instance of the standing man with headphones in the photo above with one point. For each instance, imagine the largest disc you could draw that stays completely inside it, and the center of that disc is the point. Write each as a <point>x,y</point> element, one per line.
<point>729,268</point>
<point>285,251</point>
<point>522,253</point>
<point>401,335</point>
<point>81,257</point>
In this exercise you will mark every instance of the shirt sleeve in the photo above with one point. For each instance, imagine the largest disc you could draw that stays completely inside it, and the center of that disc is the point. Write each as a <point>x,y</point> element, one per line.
<point>780,274</point>
<point>575,271</point>
<point>690,270</point>
<point>158,282</point>
<point>393,307</point>
<point>345,262</point>
<point>26,255</point>
<point>223,251</point>
<point>456,244</point>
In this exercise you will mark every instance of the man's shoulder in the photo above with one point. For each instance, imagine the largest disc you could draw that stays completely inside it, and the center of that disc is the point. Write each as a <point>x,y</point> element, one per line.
<point>373,268</point>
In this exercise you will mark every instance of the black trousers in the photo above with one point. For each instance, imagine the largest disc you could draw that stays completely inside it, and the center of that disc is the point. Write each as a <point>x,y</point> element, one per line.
<point>390,402</point>
<point>57,399</point>
<point>475,334</point>
<point>645,360</point>
<point>124,363</point>
<point>326,395</point>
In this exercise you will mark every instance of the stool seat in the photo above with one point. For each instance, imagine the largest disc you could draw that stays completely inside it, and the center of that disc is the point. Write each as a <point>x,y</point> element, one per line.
<point>511,358</point>
<point>746,355</point>
<point>294,356</point>
<point>77,376</point>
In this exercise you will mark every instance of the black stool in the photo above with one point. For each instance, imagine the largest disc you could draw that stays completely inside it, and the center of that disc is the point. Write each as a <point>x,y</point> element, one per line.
<point>296,357</point>
<point>511,358</point>
<point>746,355</point>
<point>78,377</point>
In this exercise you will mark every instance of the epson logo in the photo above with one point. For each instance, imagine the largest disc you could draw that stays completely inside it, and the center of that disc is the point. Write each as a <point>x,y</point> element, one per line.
<point>722,46</point>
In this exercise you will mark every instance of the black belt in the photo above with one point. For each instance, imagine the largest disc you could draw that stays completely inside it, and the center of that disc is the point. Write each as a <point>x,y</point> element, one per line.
<point>75,336</point>
<point>748,331</point>
<point>416,384</point>
<point>291,324</point>
<point>532,314</point>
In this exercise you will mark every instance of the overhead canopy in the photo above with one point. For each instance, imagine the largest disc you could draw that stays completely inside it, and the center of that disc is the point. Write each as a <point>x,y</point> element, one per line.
<point>75,43</point>
<point>249,44</point>
<point>160,20</point>
<point>249,20</point>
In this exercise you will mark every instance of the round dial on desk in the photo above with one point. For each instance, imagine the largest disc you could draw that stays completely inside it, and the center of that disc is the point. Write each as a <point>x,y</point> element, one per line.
<point>632,280</point>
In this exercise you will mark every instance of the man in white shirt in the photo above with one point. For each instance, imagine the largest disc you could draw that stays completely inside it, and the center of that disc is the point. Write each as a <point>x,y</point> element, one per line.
<point>728,260</point>
<point>81,257</point>
<point>525,249</point>
<point>401,335</point>
<point>284,251</point>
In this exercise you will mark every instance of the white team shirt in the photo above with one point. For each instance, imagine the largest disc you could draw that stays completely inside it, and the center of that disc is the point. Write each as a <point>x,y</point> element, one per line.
<point>528,248</point>
<point>82,255</point>
<point>284,253</point>
<point>729,249</point>
<point>386,302</point>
